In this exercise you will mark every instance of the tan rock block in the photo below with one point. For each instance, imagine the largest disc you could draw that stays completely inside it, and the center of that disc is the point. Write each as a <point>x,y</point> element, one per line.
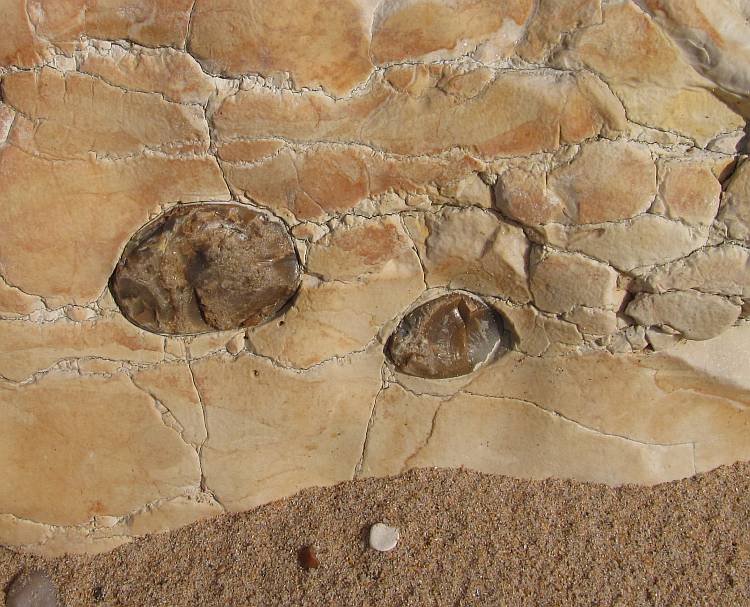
<point>691,112</point>
<point>695,315</point>
<point>17,532</point>
<point>107,533</point>
<point>470,191</point>
<point>721,358</point>
<point>643,241</point>
<point>19,44</point>
<point>31,32</point>
<point>629,48</point>
<point>80,314</point>
<point>593,321</point>
<point>651,398</point>
<point>417,28</point>
<point>274,431</point>
<point>549,110</point>
<point>461,84</point>
<point>657,85</point>
<point>236,344</point>
<point>690,192</point>
<point>146,22</point>
<point>527,326</point>
<point>713,35</point>
<point>508,436</point>
<point>735,212</point>
<point>208,343</point>
<point>319,43</point>
<point>564,337</point>
<point>358,247</point>
<point>660,339</point>
<point>473,249</point>
<point>103,437</point>
<point>607,181</point>
<point>15,302</point>
<point>7,116</point>
<point>64,247</point>
<point>30,347</point>
<point>553,19</point>
<point>325,180</point>
<point>171,514</point>
<point>171,384</point>
<point>415,79</point>
<point>561,281</point>
<point>54,541</point>
<point>310,232</point>
<point>174,74</point>
<point>174,348</point>
<point>362,275</point>
<point>722,270</point>
<point>98,366</point>
<point>521,194</point>
<point>72,115</point>
<point>249,151</point>
<point>75,540</point>
<point>535,334</point>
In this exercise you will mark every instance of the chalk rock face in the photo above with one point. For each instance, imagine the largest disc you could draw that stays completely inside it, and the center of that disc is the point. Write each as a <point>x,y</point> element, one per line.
<point>472,249</point>
<point>446,337</point>
<point>248,247</point>
<point>713,34</point>
<point>561,281</point>
<point>736,212</point>
<point>695,315</point>
<point>275,37</point>
<point>201,268</point>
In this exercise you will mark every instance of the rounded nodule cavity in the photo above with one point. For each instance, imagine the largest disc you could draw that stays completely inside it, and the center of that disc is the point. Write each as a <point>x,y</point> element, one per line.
<point>445,337</point>
<point>32,589</point>
<point>206,267</point>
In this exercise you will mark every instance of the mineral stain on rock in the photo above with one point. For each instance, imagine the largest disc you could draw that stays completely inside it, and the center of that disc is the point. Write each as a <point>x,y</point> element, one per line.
<point>206,267</point>
<point>445,337</point>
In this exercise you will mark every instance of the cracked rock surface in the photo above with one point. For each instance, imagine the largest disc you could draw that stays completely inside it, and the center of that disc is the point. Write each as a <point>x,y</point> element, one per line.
<point>216,213</point>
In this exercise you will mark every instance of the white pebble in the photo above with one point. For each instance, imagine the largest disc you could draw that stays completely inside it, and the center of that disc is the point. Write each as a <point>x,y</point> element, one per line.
<point>383,538</point>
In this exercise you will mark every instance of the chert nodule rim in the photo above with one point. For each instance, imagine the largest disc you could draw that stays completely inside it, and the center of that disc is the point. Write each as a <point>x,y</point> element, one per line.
<point>446,337</point>
<point>206,267</point>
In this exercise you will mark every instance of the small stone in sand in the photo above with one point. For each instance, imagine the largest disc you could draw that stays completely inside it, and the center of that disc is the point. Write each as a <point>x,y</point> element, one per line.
<point>383,538</point>
<point>32,589</point>
<point>307,558</point>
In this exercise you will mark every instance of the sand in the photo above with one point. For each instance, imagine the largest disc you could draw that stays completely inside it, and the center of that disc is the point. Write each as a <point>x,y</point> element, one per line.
<point>466,539</point>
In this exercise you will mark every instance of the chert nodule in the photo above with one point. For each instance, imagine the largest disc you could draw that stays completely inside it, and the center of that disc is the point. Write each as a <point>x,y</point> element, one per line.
<point>445,337</point>
<point>206,267</point>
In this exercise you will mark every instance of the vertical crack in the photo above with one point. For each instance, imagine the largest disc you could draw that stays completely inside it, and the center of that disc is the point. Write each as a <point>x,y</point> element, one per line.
<point>358,467</point>
<point>407,462</point>
<point>203,486</point>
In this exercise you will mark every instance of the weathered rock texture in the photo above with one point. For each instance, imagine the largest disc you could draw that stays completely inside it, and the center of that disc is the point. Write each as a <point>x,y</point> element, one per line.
<point>579,166</point>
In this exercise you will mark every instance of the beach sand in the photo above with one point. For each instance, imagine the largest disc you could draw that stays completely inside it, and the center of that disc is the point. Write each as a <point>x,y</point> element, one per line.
<point>466,539</point>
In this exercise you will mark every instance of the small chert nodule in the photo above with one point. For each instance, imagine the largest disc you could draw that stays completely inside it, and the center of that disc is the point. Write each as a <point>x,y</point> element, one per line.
<point>206,267</point>
<point>446,337</point>
<point>32,589</point>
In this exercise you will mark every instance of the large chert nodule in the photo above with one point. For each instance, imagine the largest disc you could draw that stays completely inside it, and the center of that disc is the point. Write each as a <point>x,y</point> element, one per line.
<point>445,337</point>
<point>206,267</point>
